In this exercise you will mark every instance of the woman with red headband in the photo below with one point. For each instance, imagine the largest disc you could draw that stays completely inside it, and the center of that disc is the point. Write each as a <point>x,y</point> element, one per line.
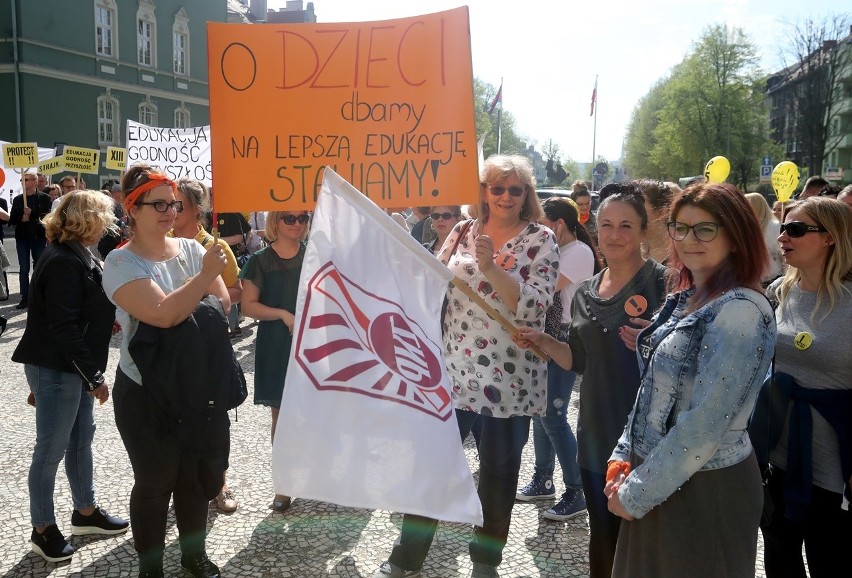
<point>159,281</point>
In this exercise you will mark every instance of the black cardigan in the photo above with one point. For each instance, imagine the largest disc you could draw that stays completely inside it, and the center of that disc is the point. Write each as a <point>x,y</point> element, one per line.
<point>70,318</point>
<point>191,373</point>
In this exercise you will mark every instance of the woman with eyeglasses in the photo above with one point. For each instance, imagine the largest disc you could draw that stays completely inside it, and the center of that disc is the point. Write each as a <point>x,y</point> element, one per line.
<point>270,286</point>
<point>811,456</point>
<point>684,472</point>
<point>190,224</point>
<point>512,262</point>
<point>623,294</point>
<point>443,219</point>
<point>160,280</point>
<point>64,349</point>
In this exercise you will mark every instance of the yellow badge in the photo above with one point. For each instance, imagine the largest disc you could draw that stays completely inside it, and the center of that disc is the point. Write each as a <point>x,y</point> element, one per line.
<point>803,340</point>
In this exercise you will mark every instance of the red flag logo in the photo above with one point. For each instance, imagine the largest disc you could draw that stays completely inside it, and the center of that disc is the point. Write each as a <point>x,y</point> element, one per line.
<point>351,340</point>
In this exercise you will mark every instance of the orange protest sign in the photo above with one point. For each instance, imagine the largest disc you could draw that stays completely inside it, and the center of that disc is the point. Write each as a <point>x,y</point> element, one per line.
<point>387,105</point>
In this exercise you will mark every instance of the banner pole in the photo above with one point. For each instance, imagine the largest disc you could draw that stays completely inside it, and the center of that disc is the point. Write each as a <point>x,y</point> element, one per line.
<point>494,314</point>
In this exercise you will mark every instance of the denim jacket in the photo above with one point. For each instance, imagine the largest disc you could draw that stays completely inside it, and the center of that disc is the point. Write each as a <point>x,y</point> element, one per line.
<point>701,374</point>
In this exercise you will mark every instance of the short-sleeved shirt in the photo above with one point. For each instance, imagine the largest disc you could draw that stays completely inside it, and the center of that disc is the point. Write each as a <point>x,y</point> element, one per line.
<point>576,263</point>
<point>123,266</point>
<point>489,373</point>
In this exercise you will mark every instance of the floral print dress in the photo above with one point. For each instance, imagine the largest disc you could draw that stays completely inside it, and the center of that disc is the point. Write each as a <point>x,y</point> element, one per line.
<point>490,375</point>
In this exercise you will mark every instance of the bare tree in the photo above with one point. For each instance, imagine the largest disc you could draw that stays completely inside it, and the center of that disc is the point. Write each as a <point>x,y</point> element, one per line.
<point>816,53</point>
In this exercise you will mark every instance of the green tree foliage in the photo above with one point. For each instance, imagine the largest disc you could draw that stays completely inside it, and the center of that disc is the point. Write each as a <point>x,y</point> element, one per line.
<point>820,56</point>
<point>710,105</point>
<point>511,141</point>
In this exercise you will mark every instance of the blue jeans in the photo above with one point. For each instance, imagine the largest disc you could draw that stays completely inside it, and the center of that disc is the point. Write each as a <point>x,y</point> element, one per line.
<point>65,426</point>
<point>552,435</point>
<point>24,248</point>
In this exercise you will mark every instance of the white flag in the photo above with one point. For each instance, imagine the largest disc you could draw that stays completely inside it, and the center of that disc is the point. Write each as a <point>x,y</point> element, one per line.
<point>367,419</point>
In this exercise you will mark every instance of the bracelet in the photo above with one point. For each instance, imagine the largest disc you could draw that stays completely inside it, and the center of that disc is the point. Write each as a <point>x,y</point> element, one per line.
<point>614,468</point>
<point>97,380</point>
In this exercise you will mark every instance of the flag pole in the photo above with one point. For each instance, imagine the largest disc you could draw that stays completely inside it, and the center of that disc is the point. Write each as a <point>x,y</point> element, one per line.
<point>594,126</point>
<point>500,118</point>
<point>494,314</point>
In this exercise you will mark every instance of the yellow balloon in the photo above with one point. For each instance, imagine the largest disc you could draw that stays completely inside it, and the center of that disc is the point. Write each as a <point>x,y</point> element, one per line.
<point>717,170</point>
<point>785,179</point>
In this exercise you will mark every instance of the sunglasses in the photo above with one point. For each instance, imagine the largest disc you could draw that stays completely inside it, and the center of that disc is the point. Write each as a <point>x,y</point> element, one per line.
<point>515,191</point>
<point>291,219</point>
<point>796,229</point>
<point>445,216</point>
<point>163,206</point>
<point>705,232</point>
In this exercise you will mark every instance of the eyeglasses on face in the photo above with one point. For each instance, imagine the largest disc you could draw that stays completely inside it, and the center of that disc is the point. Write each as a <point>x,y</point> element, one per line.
<point>445,216</point>
<point>705,232</point>
<point>800,229</point>
<point>291,219</point>
<point>163,206</point>
<point>514,190</point>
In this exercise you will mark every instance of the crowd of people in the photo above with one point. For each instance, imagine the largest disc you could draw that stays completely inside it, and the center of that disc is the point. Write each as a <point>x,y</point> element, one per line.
<point>705,327</point>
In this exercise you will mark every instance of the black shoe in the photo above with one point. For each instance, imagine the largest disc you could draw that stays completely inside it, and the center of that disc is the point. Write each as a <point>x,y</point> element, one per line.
<point>151,573</point>
<point>200,566</point>
<point>98,522</point>
<point>21,305</point>
<point>2,325</point>
<point>51,545</point>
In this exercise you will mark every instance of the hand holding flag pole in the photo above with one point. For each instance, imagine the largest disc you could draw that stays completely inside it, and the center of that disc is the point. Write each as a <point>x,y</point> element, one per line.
<point>494,314</point>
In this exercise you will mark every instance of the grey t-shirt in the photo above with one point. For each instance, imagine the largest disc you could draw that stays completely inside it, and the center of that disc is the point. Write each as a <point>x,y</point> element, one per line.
<point>823,365</point>
<point>123,266</point>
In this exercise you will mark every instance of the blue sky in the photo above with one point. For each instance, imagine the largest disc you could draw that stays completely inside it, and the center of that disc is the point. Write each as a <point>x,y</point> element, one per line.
<point>549,51</point>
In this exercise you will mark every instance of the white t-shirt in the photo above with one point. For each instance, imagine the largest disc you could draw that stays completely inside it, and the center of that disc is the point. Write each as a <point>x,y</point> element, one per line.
<point>123,266</point>
<point>576,263</point>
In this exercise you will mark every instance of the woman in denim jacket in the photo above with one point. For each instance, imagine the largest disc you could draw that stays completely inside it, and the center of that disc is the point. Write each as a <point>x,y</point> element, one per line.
<point>684,472</point>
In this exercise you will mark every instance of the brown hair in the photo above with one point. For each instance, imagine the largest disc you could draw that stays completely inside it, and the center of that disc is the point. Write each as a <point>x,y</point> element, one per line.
<point>748,260</point>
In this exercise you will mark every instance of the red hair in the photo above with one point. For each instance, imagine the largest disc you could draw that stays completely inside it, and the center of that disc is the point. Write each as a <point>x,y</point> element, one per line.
<point>749,257</point>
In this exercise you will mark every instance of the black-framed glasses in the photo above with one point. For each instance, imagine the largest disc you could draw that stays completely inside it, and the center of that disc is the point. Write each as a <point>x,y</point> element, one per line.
<point>796,229</point>
<point>291,219</point>
<point>705,232</point>
<point>514,190</point>
<point>163,206</point>
<point>445,216</point>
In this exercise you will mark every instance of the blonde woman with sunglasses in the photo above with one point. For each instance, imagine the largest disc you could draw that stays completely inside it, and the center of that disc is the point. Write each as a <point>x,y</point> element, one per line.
<point>270,286</point>
<point>811,473</point>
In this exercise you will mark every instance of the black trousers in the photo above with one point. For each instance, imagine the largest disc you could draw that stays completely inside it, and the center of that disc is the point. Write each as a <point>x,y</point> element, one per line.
<point>158,476</point>
<point>826,533</point>
<point>501,443</point>
<point>603,525</point>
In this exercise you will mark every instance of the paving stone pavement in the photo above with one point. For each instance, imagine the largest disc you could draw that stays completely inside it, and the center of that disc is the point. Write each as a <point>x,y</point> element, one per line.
<point>311,540</point>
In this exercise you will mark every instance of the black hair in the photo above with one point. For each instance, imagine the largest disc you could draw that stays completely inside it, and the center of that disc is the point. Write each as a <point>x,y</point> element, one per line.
<point>556,208</point>
<point>625,192</point>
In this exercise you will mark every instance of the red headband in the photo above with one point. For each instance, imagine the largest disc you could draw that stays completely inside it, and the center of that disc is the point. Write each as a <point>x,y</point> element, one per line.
<point>154,180</point>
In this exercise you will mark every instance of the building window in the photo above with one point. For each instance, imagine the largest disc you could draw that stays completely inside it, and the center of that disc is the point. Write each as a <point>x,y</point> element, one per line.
<point>182,118</point>
<point>180,43</point>
<point>107,120</point>
<point>105,28</point>
<point>148,113</point>
<point>146,34</point>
